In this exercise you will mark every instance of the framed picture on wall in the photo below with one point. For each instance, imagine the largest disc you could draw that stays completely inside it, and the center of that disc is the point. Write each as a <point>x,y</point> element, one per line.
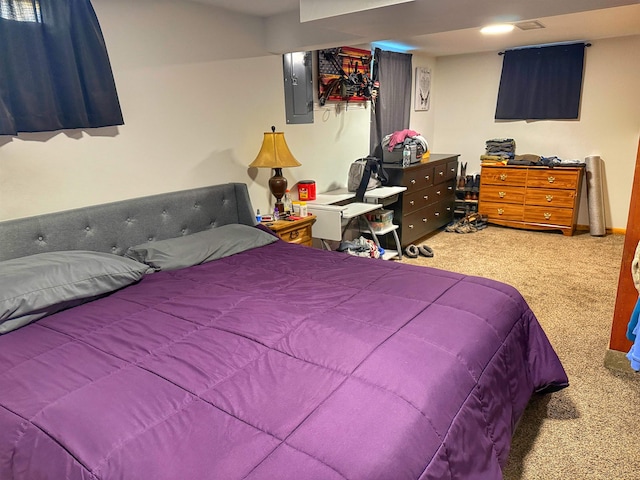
<point>423,89</point>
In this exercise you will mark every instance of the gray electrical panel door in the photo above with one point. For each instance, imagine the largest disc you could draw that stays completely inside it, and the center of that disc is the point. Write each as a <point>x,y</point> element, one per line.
<point>298,87</point>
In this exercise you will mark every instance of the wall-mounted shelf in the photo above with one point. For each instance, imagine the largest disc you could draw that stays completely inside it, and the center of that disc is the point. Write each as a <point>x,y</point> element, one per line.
<point>344,75</point>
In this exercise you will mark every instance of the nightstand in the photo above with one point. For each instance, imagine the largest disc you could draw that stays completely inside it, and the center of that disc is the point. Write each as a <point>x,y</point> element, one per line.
<point>296,231</point>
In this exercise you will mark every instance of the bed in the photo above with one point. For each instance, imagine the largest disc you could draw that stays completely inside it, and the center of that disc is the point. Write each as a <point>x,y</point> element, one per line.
<point>261,360</point>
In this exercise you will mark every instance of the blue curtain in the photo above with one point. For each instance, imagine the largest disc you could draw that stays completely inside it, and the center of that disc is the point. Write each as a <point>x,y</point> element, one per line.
<point>54,68</point>
<point>541,83</point>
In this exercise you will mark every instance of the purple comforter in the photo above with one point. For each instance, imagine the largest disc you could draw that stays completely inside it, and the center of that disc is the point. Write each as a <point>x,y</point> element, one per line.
<point>283,362</point>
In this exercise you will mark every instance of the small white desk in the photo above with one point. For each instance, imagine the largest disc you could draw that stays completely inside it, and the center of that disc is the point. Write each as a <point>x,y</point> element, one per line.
<point>332,219</point>
<point>377,195</point>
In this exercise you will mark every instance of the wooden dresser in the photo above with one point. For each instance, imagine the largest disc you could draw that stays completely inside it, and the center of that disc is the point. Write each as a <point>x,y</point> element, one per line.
<point>429,200</point>
<point>535,198</point>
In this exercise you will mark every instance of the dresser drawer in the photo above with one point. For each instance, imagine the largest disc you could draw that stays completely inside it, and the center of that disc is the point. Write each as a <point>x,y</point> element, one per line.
<point>452,170</point>
<point>417,200</point>
<point>503,193</point>
<point>415,225</point>
<point>418,178</point>
<point>553,178</point>
<point>554,216</point>
<point>444,172</point>
<point>550,197</point>
<point>504,176</point>
<point>442,212</point>
<point>502,211</point>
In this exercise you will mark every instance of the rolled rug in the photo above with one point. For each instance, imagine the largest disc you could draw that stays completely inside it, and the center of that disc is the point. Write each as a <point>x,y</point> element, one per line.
<point>595,196</point>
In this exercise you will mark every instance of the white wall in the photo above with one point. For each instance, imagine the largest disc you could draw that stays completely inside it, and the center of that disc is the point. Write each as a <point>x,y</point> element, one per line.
<point>465,91</point>
<point>197,90</point>
<point>423,121</point>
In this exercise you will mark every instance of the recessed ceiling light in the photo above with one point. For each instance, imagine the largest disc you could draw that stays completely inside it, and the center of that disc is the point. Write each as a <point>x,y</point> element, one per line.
<point>496,29</point>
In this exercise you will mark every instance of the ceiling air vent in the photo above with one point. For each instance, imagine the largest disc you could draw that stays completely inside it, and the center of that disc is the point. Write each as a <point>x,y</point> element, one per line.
<point>532,25</point>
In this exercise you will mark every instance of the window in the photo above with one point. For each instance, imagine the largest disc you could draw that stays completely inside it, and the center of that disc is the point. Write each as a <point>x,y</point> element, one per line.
<point>55,68</point>
<point>541,83</point>
<point>21,10</point>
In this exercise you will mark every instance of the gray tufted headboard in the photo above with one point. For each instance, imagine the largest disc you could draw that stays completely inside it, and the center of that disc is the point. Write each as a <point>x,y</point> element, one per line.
<point>113,227</point>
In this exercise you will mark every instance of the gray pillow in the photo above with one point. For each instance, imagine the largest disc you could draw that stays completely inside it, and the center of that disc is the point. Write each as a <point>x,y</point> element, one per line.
<point>39,285</point>
<point>200,247</point>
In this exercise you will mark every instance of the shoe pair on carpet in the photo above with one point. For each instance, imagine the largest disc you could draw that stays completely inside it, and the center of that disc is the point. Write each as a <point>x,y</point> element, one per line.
<point>468,224</point>
<point>413,251</point>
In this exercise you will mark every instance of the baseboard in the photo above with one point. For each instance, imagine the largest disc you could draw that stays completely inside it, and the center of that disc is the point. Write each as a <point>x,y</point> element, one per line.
<point>618,362</point>
<point>608,231</point>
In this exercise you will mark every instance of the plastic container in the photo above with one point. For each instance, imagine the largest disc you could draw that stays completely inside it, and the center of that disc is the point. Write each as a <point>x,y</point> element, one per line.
<point>406,156</point>
<point>380,219</point>
<point>286,200</point>
<point>307,190</point>
<point>303,209</point>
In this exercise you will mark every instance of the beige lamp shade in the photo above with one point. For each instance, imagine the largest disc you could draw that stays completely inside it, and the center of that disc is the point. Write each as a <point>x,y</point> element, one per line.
<point>274,152</point>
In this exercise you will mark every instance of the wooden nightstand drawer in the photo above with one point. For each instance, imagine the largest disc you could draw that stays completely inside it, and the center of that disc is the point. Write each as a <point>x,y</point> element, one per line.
<point>553,178</point>
<point>298,231</point>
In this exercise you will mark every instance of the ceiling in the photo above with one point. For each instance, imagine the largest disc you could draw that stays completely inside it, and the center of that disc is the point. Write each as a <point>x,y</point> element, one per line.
<point>437,27</point>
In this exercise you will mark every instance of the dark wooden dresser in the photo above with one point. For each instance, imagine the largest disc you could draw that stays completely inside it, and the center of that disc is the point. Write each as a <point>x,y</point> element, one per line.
<point>428,202</point>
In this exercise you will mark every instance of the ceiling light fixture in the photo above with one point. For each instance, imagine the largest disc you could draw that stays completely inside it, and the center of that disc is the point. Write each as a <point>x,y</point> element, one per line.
<point>496,29</point>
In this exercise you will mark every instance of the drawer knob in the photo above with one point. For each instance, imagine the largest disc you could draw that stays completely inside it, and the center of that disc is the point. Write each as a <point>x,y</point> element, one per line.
<point>426,197</point>
<point>449,188</point>
<point>426,177</point>
<point>448,209</point>
<point>441,173</point>
<point>549,198</point>
<point>411,226</point>
<point>547,215</point>
<point>453,170</point>
<point>413,182</point>
<point>503,176</point>
<point>500,211</point>
<point>412,203</point>
<point>424,220</point>
<point>502,194</point>
<point>293,235</point>
<point>437,214</point>
<point>551,179</point>
<point>438,193</point>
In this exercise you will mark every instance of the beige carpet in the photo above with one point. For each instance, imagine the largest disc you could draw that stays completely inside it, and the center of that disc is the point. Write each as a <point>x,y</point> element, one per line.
<point>591,430</point>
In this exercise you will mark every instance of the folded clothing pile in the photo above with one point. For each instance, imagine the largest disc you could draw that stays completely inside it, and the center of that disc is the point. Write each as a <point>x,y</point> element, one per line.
<point>499,150</point>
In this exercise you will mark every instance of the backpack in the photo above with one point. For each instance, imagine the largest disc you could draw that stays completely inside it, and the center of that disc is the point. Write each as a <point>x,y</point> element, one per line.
<point>365,174</point>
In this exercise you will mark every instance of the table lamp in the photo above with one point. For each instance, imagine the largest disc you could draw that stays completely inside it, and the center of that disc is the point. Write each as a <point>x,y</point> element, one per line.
<point>275,154</point>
